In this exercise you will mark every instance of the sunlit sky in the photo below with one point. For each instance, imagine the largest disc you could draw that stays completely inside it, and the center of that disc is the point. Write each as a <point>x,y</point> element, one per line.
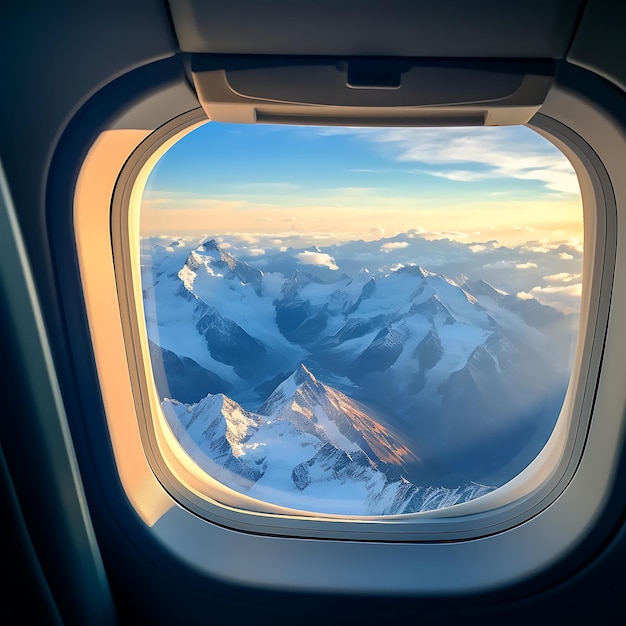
<point>332,184</point>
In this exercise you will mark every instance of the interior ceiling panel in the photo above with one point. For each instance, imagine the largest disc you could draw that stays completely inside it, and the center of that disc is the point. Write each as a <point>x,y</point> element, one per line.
<point>414,28</point>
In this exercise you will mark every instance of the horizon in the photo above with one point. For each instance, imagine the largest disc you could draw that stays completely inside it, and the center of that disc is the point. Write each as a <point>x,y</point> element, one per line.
<point>466,184</point>
<point>550,273</point>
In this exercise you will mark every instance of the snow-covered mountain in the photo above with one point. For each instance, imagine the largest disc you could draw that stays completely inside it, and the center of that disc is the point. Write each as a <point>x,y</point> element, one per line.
<point>472,377</point>
<point>308,447</point>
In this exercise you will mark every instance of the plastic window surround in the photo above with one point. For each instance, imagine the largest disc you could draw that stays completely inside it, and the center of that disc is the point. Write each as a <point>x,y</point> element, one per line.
<point>420,553</point>
<point>520,499</point>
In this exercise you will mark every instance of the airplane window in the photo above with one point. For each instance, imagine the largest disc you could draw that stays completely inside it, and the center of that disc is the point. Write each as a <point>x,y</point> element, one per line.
<point>361,321</point>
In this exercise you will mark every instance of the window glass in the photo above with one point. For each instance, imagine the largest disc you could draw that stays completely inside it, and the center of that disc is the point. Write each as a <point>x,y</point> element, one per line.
<point>361,321</point>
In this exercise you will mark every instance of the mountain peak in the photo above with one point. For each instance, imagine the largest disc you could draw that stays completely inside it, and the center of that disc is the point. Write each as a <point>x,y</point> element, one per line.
<point>299,377</point>
<point>212,402</point>
<point>283,394</point>
<point>482,288</point>
<point>212,249</point>
<point>210,244</point>
<point>302,375</point>
<point>414,270</point>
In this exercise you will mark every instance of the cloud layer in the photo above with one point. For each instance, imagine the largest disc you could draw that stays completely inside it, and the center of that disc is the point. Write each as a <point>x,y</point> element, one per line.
<point>316,258</point>
<point>476,154</point>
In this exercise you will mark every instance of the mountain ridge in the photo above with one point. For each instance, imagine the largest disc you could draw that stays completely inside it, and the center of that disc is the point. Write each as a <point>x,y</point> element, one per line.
<point>446,360</point>
<point>312,454</point>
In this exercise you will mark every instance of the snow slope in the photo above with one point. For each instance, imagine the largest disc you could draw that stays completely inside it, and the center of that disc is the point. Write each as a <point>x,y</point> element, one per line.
<point>471,376</point>
<point>311,448</point>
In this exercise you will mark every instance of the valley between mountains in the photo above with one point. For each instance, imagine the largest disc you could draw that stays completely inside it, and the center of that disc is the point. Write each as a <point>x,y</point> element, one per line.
<point>374,393</point>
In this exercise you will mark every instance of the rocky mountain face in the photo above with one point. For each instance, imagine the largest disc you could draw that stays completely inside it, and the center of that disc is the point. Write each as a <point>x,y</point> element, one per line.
<point>309,447</point>
<point>461,383</point>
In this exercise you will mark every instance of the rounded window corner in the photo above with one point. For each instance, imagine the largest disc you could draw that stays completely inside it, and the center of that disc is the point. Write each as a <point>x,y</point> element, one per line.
<point>516,507</point>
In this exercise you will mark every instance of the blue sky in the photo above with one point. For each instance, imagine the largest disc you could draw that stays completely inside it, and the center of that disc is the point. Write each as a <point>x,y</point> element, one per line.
<point>473,184</point>
<point>505,193</point>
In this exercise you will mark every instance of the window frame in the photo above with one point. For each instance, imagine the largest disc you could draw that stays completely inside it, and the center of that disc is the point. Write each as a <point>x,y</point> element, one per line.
<point>527,494</point>
<point>438,560</point>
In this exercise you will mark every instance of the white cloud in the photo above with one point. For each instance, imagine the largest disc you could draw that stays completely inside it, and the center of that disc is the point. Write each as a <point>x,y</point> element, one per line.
<point>317,258</point>
<point>575,243</point>
<point>499,265</point>
<point>256,252</point>
<point>396,267</point>
<point>536,249</point>
<point>565,256</point>
<point>524,295</point>
<point>566,298</point>
<point>454,234</point>
<point>393,245</point>
<point>525,266</point>
<point>572,290</point>
<point>247,238</point>
<point>494,152</point>
<point>462,175</point>
<point>563,277</point>
<point>478,247</point>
